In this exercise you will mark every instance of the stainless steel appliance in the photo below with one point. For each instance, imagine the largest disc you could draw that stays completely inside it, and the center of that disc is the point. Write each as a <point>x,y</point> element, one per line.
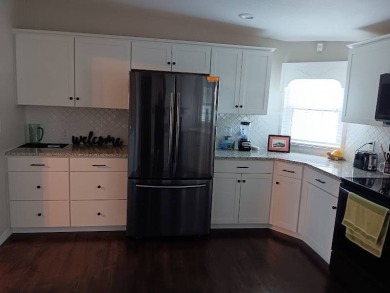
<point>382,112</point>
<point>365,160</point>
<point>355,268</point>
<point>171,153</point>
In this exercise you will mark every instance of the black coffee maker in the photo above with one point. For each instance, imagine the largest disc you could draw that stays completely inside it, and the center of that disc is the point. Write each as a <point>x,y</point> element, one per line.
<point>244,143</point>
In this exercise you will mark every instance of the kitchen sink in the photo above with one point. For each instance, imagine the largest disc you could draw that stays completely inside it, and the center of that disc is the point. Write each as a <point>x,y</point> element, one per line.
<point>44,145</point>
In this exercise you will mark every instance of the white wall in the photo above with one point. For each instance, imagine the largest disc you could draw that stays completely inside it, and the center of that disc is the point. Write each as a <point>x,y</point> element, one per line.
<point>11,116</point>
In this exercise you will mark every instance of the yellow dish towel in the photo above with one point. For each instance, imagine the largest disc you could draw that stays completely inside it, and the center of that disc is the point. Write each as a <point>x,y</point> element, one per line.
<point>366,223</point>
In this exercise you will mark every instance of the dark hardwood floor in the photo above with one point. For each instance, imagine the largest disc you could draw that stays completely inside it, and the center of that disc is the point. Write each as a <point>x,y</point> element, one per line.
<point>249,261</point>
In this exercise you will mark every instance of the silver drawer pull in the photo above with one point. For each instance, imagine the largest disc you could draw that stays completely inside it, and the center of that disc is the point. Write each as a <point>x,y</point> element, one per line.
<point>99,165</point>
<point>320,181</point>
<point>242,167</point>
<point>288,171</point>
<point>37,165</point>
<point>170,187</point>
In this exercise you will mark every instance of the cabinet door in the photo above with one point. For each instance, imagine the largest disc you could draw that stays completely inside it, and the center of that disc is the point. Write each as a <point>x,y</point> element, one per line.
<point>98,185</point>
<point>26,214</point>
<point>226,198</point>
<point>365,65</point>
<point>191,58</point>
<point>98,213</point>
<point>38,185</point>
<point>255,198</point>
<point>286,194</point>
<point>226,63</point>
<point>102,68</point>
<point>255,78</point>
<point>45,69</point>
<point>318,215</point>
<point>150,55</point>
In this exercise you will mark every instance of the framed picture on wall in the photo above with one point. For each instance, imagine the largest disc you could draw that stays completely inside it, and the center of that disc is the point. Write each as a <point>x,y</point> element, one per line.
<point>279,143</point>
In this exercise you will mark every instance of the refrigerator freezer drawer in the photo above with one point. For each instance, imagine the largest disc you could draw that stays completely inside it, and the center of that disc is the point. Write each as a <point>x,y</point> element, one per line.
<point>160,209</point>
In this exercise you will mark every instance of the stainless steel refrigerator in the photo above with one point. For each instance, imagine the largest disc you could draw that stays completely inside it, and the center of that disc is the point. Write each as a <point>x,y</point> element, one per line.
<point>171,153</point>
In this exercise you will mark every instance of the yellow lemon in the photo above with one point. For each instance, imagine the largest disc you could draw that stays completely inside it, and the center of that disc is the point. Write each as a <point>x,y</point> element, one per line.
<point>337,153</point>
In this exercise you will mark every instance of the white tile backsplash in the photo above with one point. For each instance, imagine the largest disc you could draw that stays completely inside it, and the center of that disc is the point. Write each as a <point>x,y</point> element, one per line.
<point>261,127</point>
<point>60,123</point>
<point>358,135</point>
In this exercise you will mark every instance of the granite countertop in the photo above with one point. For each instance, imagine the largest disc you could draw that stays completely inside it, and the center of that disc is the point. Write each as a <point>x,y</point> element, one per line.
<point>337,169</point>
<point>72,151</point>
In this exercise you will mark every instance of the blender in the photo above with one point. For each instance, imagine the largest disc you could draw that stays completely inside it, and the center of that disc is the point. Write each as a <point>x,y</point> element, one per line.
<point>244,143</point>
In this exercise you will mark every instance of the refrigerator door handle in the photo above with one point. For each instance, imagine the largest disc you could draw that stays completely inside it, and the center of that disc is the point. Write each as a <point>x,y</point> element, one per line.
<point>171,186</point>
<point>177,132</point>
<point>170,139</point>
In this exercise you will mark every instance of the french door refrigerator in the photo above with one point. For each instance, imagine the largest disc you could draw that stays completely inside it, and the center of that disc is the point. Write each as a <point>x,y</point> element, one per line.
<point>171,153</point>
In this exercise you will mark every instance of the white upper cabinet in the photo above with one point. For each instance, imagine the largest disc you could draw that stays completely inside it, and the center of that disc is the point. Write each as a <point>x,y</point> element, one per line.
<point>160,56</point>
<point>191,58</point>
<point>244,79</point>
<point>151,56</point>
<point>226,63</point>
<point>102,68</point>
<point>61,70</point>
<point>45,69</point>
<point>366,62</point>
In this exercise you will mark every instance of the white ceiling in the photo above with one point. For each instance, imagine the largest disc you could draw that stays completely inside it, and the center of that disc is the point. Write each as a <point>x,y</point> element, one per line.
<point>288,20</point>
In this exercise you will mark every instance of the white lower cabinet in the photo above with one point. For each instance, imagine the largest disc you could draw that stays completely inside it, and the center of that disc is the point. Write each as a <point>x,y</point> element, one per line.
<point>241,198</point>
<point>226,198</point>
<point>318,212</point>
<point>38,192</point>
<point>98,213</point>
<point>98,192</point>
<point>38,185</point>
<point>32,214</point>
<point>255,198</point>
<point>43,193</point>
<point>286,195</point>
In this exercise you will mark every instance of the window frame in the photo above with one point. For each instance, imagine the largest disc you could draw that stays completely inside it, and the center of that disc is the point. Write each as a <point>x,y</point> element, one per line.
<point>334,70</point>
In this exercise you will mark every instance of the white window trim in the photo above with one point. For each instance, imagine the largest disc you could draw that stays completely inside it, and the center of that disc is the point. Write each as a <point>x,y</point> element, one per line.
<point>313,70</point>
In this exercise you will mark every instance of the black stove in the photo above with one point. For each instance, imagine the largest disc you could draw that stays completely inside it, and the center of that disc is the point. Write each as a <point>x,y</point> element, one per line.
<point>355,268</point>
<point>376,187</point>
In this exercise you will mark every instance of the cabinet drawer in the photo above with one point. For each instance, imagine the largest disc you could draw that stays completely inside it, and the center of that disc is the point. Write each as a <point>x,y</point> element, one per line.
<point>37,164</point>
<point>38,185</point>
<point>98,213</point>
<point>98,185</point>
<point>26,214</point>
<point>98,164</point>
<point>243,166</point>
<point>322,181</point>
<point>289,170</point>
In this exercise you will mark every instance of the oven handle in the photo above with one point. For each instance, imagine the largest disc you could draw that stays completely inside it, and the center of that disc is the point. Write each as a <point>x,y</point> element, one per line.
<point>347,191</point>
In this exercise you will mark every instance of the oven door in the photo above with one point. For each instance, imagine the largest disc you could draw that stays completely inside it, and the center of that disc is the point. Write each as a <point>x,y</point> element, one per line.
<point>353,266</point>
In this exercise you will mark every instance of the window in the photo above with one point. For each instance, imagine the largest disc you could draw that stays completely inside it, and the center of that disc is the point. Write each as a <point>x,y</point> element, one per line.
<point>313,106</point>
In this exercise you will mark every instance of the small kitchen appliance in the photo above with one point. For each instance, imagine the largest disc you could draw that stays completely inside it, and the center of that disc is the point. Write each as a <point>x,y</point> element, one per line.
<point>227,143</point>
<point>365,160</point>
<point>244,143</point>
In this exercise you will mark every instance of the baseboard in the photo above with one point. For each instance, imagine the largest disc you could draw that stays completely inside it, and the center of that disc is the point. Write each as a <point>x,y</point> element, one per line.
<point>3,237</point>
<point>239,226</point>
<point>286,232</point>
<point>69,229</point>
